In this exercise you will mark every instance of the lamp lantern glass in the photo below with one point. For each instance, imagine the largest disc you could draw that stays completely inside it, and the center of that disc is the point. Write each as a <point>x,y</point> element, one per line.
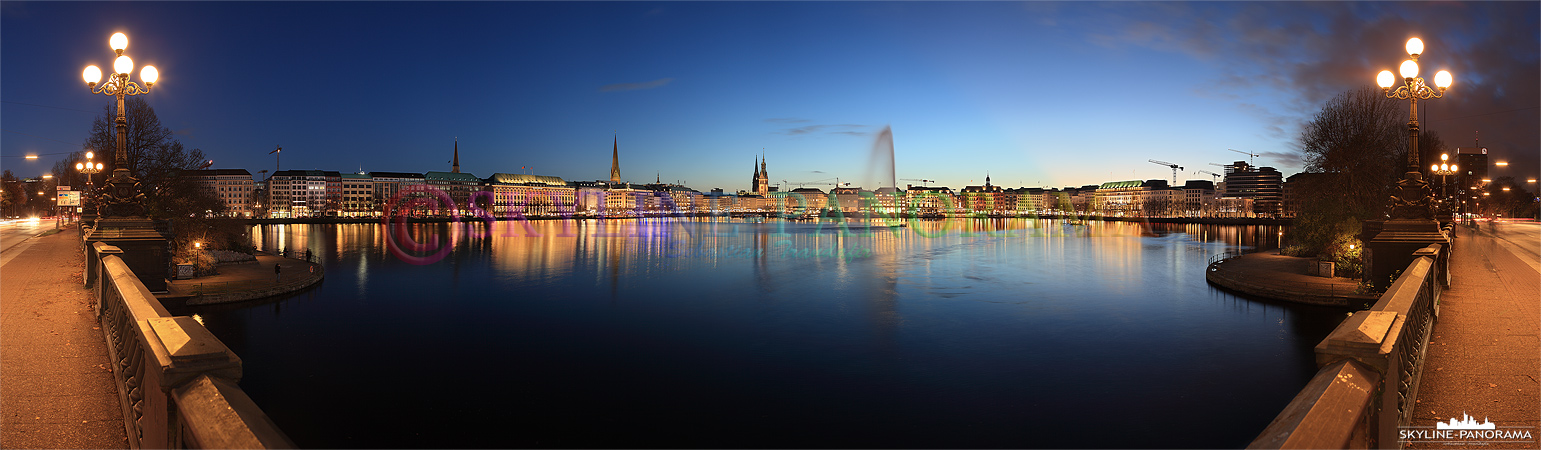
<point>92,75</point>
<point>119,41</point>
<point>1414,47</point>
<point>1443,79</point>
<point>1385,79</point>
<point>1409,69</point>
<point>123,65</point>
<point>149,74</point>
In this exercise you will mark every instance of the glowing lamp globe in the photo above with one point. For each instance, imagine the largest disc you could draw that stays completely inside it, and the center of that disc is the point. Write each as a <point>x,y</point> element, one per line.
<point>1385,79</point>
<point>1409,69</point>
<point>92,74</point>
<point>1443,79</point>
<point>1415,47</point>
<point>90,155</point>
<point>119,41</point>
<point>149,74</point>
<point>123,65</point>
<point>80,166</point>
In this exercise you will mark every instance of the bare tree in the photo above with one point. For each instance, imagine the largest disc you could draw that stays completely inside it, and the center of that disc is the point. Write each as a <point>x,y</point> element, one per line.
<point>154,157</point>
<point>1359,142</point>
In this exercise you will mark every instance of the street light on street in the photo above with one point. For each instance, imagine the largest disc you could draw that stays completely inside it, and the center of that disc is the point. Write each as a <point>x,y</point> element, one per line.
<point>1444,169</point>
<point>123,186</point>
<point>89,168</point>
<point>1410,203</point>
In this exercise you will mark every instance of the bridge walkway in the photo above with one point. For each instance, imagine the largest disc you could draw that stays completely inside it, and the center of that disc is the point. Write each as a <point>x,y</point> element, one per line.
<point>58,390</point>
<point>1484,356</point>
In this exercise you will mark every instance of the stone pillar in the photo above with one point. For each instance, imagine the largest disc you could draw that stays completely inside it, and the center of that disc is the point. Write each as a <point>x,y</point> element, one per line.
<point>144,244</point>
<point>1391,249</point>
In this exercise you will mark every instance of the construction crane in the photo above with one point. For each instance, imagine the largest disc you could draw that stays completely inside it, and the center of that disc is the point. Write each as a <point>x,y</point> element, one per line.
<point>922,182</point>
<point>1250,161</point>
<point>1212,174</point>
<point>1174,167</point>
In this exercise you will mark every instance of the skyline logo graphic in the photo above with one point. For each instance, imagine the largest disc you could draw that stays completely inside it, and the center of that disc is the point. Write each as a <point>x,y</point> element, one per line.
<point>1467,423</point>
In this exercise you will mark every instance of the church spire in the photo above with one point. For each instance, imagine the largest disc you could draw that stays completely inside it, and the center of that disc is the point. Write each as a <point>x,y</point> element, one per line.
<point>615,161</point>
<point>456,167</point>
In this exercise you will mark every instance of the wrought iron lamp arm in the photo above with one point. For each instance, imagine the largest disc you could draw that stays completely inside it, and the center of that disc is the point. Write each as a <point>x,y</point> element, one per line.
<point>116,84</point>
<point>1415,89</point>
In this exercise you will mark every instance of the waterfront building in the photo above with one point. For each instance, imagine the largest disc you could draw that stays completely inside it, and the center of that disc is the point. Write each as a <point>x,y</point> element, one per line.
<point>387,185</point>
<point>804,200</point>
<point>985,199</point>
<point>332,202</point>
<point>887,200</point>
<point>1119,198</point>
<point>929,200</point>
<point>297,193</point>
<point>458,185</point>
<point>588,196</point>
<point>358,195</point>
<point>1264,186</point>
<point>1198,196</point>
<point>233,188</point>
<point>716,202</point>
<point>515,194</point>
<point>847,200</point>
<point>1033,200</point>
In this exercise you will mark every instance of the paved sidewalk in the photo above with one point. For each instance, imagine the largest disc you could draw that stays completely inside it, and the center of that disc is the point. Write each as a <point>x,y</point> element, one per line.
<point>56,388</point>
<point>1269,275</point>
<point>1484,356</point>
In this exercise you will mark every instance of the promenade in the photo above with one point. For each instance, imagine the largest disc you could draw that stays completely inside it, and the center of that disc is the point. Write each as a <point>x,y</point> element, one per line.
<point>1285,278</point>
<point>58,389</point>
<point>1484,356</point>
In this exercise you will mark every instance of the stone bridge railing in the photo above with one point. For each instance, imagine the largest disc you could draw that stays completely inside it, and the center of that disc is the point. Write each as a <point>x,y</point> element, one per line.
<point>1370,367</point>
<point>176,381</point>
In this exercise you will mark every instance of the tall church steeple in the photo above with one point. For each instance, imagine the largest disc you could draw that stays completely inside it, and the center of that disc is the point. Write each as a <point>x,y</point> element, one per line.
<point>615,161</point>
<point>456,167</point>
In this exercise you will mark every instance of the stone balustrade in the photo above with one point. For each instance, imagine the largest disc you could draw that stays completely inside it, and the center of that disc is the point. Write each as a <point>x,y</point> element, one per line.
<point>1370,367</point>
<point>176,381</point>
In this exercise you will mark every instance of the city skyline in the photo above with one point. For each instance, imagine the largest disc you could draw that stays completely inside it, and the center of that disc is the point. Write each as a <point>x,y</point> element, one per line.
<point>1029,92</point>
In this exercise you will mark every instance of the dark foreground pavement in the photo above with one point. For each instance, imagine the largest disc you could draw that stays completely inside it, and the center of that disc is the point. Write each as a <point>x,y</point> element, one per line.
<point>56,386</point>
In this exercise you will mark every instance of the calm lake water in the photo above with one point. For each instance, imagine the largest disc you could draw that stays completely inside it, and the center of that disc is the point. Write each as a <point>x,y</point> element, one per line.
<point>726,334</point>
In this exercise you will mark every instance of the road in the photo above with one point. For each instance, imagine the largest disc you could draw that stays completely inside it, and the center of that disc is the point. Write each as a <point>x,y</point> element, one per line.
<point>1521,237</point>
<point>13,232</point>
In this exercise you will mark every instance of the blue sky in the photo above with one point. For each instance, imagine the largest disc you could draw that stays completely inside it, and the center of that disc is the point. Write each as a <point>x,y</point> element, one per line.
<point>1034,94</point>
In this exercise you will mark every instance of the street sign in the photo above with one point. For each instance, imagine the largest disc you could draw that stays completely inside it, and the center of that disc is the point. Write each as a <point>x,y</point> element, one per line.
<point>69,198</point>
<point>62,188</point>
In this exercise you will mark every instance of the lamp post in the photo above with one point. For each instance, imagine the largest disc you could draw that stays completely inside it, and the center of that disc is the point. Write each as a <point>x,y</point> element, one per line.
<point>89,168</point>
<point>1412,201</point>
<point>121,220</point>
<point>121,195</point>
<point>1444,170</point>
<point>1411,226</point>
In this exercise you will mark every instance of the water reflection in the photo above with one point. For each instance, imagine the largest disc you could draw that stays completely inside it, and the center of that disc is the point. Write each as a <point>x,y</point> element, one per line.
<point>590,333</point>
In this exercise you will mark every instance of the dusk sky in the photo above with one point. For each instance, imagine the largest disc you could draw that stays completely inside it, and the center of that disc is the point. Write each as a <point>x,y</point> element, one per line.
<point>1034,94</point>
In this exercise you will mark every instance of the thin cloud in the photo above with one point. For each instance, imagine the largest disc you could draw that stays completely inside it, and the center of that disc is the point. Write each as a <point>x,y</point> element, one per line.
<point>618,87</point>
<point>846,129</point>
<point>787,120</point>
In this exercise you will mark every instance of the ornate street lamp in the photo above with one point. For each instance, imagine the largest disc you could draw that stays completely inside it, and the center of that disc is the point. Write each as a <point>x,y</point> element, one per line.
<point>121,220</point>
<point>1411,226</point>
<point>1444,170</point>
<point>89,168</point>
<point>122,196</point>
<point>1412,201</point>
